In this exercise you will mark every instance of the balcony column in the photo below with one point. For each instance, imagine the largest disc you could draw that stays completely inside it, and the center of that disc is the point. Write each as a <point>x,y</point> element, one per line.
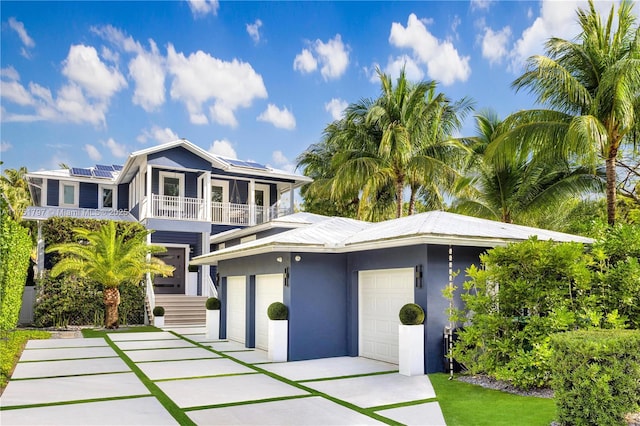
<point>207,196</point>
<point>291,198</point>
<point>148,196</point>
<point>251,202</point>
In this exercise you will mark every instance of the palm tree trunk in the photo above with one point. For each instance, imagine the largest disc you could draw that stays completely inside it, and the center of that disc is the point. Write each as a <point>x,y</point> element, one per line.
<point>111,302</point>
<point>399,188</point>
<point>611,186</point>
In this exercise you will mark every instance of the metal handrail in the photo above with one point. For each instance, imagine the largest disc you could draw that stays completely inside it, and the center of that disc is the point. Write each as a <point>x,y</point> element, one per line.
<point>151,296</point>
<point>213,292</point>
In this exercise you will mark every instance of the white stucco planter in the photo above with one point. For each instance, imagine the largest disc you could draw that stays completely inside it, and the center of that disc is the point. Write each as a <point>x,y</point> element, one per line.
<point>213,324</point>
<point>158,321</point>
<point>278,340</point>
<point>411,347</point>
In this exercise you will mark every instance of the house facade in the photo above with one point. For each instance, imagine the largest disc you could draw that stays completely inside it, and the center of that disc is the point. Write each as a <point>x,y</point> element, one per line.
<point>345,281</point>
<point>180,191</point>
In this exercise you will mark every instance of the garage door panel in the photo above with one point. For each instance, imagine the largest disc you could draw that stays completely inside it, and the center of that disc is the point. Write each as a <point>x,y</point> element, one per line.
<point>381,295</point>
<point>236,308</point>
<point>269,289</point>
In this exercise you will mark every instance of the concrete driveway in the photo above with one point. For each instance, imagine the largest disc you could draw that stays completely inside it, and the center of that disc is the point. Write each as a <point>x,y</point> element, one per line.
<point>142,378</point>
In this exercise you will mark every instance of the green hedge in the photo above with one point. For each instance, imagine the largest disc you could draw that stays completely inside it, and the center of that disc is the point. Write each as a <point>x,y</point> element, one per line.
<point>68,300</point>
<point>15,250</point>
<point>596,376</point>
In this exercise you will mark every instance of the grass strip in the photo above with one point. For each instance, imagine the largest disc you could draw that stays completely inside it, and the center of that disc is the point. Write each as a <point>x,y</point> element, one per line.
<point>176,360</point>
<point>240,403</point>
<point>464,404</point>
<point>79,401</point>
<point>92,332</point>
<point>365,411</point>
<point>65,359</point>
<point>353,376</point>
<point>403,404</point>
<point>70,375</point>
<point>173,379</point>
<point>166,402</point>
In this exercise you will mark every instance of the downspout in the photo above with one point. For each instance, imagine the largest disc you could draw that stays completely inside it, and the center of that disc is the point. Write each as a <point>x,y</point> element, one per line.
<point>450,310</point>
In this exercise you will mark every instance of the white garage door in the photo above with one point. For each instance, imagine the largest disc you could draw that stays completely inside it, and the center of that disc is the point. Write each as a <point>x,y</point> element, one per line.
<point>381,294</point>
<point>269,289</point>
<point>236,308</point>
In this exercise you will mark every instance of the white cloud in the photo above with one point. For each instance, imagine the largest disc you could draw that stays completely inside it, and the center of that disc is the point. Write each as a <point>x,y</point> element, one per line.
<point>84,67</point>
<point>5,146</point>
<point>117,150</point>
<point>224,148</point>
<point>336,107</point>
<point>494,44</point>
<point>200,78</point>
<point>333,57</point>
<point>147,70</point>
<point>73,106</point>
<point>10,73</point>
<point>394,66</point>
<point>305,62</point>
<point>280,118</point>
<point>27,41</point>
<point>282,162</point>
<point>254,30</point>
<point>158,134</point>
<point>443,61</point>
<point>93,152</point>
<point>481,4</point>
<point>201,8</point>
<point>15,92</point>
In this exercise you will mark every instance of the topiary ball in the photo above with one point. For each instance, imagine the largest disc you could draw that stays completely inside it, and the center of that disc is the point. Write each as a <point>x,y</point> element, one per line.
<point>411,314</point>
<point>278,311</point>
<point>213,304</point>
<point>158,311</point>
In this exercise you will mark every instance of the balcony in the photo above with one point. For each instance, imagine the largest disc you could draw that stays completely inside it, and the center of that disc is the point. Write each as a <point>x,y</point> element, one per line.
<point>196,209</point>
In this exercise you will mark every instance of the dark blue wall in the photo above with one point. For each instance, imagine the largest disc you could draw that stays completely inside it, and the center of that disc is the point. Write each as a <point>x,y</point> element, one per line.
<point>178,157</point>
<point>88,195</point>
<point>53,192</point>
<point>123,196</point>
<point>190,182</point>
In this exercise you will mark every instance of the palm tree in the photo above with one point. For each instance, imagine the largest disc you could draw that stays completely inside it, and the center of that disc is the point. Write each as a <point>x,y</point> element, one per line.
<point>110,259</point>
<point>517,188</point>
<point>592,87</point>
<point>15,191</point>
<point>398,141</point>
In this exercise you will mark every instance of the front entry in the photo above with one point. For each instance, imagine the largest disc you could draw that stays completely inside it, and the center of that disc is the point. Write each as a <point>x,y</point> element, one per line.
<point>174,256</point>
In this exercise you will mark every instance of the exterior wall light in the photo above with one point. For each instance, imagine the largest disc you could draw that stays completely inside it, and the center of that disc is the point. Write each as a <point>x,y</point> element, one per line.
<point>298,258</point>
<point>279,259</point>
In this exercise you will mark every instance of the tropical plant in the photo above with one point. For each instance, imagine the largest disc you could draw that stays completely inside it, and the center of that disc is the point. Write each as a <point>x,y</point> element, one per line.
<point>15,191</point>
<point>592,88</point>
<point>517,188</point>
<point>110,259</point>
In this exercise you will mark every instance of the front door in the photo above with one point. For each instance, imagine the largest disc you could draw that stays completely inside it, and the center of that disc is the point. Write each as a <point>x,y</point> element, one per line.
<point>174,256</point>
<point>261,201</point>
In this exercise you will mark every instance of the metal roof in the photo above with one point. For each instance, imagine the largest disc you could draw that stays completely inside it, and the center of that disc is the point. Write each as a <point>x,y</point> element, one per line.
<point>340,235</point>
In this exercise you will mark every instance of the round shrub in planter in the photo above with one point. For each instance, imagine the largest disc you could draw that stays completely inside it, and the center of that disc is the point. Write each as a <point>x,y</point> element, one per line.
<point>158,311</point>
<point>278,311</point>
<point>213,304</point>
<point>411,314</point>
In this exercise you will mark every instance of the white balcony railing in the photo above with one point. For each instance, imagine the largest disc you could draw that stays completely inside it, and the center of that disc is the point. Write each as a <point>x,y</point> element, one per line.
<point>181,208</point>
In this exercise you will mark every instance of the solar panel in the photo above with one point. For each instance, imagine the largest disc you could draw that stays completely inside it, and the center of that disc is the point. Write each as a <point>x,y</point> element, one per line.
<point>103,167</point>
<point>76,171</point>
<point>117,167</point>
<point>249,164</point>
<point>102,174</point>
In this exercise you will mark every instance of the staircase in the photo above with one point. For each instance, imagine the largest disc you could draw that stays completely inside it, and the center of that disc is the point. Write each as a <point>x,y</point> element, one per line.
<point>182,310</point>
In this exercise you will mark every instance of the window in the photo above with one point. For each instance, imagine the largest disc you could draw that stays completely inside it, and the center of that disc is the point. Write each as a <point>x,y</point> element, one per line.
<point>106,198</point>
<point>171,184</point>
<point>133,192</point>
<point>219,191</point>
<point>68,194</point>
<point>217,194</point>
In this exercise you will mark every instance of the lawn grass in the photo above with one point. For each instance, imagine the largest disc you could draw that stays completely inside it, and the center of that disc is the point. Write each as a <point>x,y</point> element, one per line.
<point>102,332</point>
<point>11,345</point>
<point>464,404</point>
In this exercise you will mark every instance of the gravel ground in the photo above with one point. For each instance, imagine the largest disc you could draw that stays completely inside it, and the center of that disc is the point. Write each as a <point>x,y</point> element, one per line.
<point>490,383</point>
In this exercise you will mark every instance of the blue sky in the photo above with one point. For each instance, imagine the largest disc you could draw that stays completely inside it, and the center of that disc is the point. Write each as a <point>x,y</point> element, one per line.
<point>90,82</point>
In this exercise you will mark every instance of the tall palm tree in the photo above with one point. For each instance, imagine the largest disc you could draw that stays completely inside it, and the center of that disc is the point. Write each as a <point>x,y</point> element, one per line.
<point>399,140</point>
<point>592,87</point>
<point>516,188</point>
<point>110,259</point>
<point>15,191</point>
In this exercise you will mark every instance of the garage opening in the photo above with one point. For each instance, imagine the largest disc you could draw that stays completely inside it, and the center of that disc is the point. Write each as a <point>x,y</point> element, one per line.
<point>381,294</point>
<point>269,289</point>
<point>236,308</point>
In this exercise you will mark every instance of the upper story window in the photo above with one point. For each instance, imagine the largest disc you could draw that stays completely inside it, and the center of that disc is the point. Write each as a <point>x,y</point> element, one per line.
<point>172,184</point>
<point>68,194</point>
<point>219,191</point>
<point>106,197</point>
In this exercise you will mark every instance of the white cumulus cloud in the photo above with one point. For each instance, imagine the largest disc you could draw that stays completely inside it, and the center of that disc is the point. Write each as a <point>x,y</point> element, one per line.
<point>282,162</point>
<point>495,44</point>
<point>200,78</point>
<point>117,150</point>
<point>27,41</point>
<point>84,67</point>
<point>93,152</point>
<point>5,146</point>
<point>336,107</point>
<point>223,148</point>
<point>201,8</point>
<point>412,69</point>
<point>442,59</point>
<point>15,92</point>
<point>280,118</point>
<point>332,57</point>
<point>9,73</point>
<point>254,30</point>
<point>148,73</point>
<point>157,134</point>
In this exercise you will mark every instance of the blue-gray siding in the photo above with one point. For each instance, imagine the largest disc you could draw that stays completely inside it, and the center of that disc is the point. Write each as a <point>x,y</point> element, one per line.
<point>88,198</point>
<point>123,197</point>
<point>53,192</point>
<point>178,157</point>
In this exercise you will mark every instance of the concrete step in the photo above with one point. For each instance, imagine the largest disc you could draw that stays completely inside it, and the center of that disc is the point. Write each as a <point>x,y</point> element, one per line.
<point>181,309</point>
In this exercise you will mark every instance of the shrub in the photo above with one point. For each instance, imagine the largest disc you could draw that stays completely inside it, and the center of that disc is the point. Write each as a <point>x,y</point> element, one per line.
<point>15,249</point>
<point>411,314</point>
<point>158,311</point>
<point>213,304</point>
<point>278,311</point>
<point>11,348</point>
<point>596,376</point>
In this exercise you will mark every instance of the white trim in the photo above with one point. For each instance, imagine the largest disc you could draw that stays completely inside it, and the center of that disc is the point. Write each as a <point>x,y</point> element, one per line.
<point>163,174</point>
<point>76,193</point>
<point>186,259</point>
<point>114,196</point>
<point>248,238</point>
<point>224,184</point>
<point>266,189</point>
